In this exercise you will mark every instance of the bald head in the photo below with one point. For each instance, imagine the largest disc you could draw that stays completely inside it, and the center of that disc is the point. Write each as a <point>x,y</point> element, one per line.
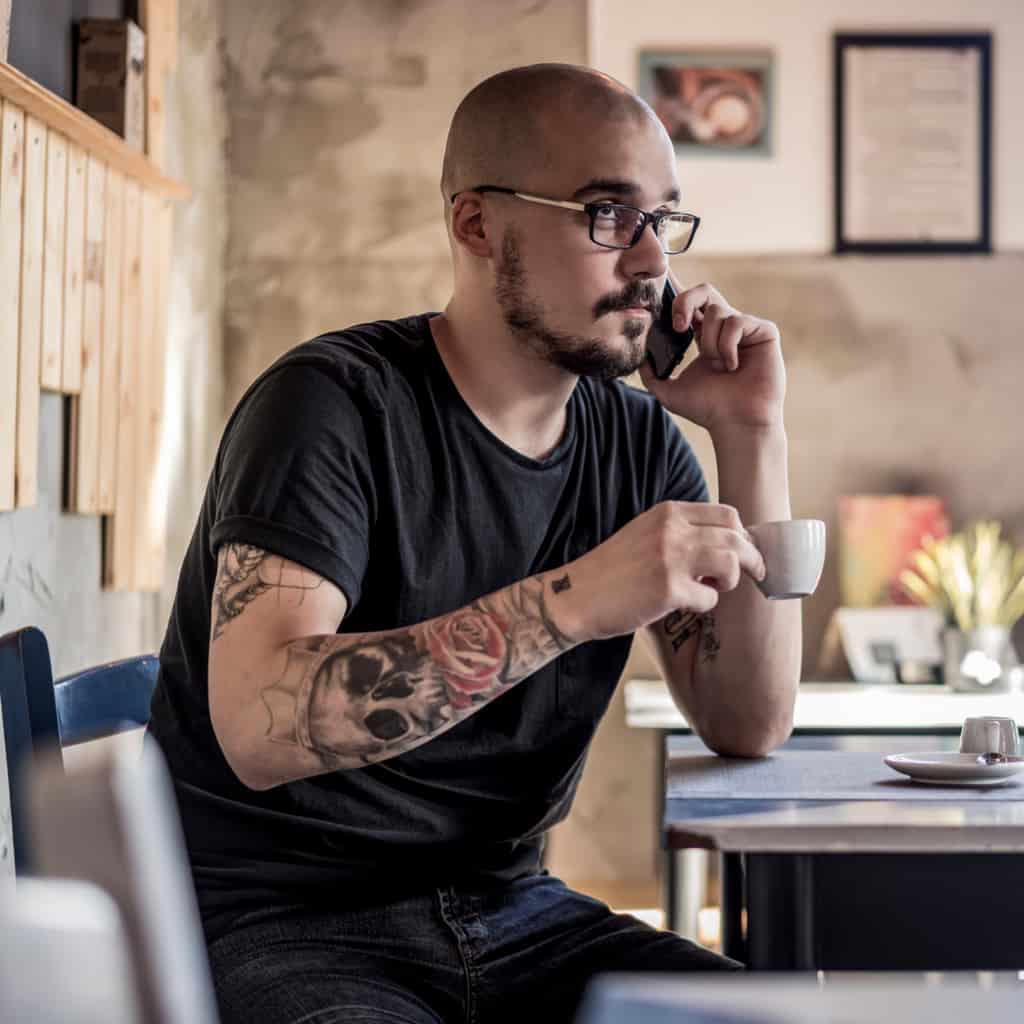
<point>509,128</point>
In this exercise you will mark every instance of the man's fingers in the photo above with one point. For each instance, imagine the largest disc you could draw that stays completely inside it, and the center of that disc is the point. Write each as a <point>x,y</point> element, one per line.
<point>708,513</point>
<point>729,338</point>
<point>719,565</point>
<point>719,526</point>
<point>691,301</point>
<point>716,343</point>
<point>739,544</point>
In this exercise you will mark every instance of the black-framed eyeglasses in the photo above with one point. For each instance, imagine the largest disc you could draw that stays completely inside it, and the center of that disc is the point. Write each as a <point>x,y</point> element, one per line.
<point>616,225</point>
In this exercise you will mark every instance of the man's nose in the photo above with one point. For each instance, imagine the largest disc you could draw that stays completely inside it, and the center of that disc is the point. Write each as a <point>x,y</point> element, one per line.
<point>647,258</point>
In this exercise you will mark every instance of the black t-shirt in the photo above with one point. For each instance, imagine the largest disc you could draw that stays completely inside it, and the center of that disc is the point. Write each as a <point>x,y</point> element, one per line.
<point>355,456</point>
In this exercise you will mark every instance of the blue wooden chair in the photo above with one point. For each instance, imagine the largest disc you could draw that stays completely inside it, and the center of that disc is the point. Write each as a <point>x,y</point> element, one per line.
<point>86,705</point>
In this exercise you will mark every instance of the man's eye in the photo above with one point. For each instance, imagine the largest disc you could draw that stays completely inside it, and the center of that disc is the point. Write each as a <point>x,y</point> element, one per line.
<point>606,212</point>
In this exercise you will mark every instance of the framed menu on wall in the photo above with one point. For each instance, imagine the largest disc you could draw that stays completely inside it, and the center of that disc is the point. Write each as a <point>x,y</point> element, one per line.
<point>913,143</point>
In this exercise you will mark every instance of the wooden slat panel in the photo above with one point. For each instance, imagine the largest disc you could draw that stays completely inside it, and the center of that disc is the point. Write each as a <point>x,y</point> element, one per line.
<point>12,176</point>
<point>26,473</point>
<point>145,462</point>
<point>87,404</point>
<point>5,27</point>
<point>74,255</point>
<point>53,261</point>
<point>119,529</point>
<point>158,19</point>
<point>111,361</point>
<point>85,131</point>
<point>157,492</point>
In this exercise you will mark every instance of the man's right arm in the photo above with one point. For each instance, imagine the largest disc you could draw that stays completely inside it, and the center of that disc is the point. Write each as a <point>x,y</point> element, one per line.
<point>291,698</point>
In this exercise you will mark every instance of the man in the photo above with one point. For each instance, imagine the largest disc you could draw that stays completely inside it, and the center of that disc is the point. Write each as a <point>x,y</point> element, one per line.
<point>423,552</point>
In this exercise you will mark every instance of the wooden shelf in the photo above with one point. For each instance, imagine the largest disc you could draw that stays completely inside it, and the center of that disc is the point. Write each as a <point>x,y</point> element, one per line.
<point>95,138</point>
<point>85,254</point>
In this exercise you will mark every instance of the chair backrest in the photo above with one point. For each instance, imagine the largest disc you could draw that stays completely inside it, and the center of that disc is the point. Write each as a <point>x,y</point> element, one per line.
<point>112,820</point>
<point>29,717</point>
<point>106,699</point>
<point>86,705</point>
<point>6,835</point>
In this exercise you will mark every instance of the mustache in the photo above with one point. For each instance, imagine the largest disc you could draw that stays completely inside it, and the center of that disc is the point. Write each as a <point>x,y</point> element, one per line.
<point>639,293</point>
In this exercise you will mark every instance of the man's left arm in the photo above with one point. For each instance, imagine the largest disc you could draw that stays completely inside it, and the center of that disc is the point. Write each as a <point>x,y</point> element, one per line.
<point>734,672</point>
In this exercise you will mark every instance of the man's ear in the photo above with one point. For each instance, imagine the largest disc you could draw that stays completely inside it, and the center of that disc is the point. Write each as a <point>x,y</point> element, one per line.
<point>470,226</point>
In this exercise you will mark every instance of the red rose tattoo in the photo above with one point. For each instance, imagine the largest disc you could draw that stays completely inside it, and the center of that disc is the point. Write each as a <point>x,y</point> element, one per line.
<point>469,648</point>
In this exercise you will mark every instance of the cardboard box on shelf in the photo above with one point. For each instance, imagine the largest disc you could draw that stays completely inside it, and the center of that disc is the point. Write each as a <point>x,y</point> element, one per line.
<point>111,76</point>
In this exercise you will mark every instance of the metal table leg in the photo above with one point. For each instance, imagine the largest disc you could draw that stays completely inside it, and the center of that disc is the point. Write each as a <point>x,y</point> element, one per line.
<point>690,890</point>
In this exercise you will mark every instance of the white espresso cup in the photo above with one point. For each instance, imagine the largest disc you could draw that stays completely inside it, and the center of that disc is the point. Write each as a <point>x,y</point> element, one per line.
<point>794,555</point>
<point>989,734</point>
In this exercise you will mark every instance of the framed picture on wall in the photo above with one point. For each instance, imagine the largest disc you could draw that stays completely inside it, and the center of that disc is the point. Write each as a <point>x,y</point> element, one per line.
<point>913,143</point>
<point>711,102</point>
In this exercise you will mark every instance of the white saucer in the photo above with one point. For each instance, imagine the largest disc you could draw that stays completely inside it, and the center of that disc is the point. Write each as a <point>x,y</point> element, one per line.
<point>953,769</point>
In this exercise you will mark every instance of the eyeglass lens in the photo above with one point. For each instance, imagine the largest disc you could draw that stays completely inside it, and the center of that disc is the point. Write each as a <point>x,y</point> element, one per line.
<point>616,226</point>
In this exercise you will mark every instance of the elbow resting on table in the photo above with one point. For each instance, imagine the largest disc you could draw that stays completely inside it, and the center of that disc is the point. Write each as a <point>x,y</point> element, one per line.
<point>734,736</point>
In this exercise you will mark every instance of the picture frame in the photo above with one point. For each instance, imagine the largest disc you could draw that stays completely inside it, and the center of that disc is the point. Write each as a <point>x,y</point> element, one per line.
<point>913,143</point>
<point>711,102</point>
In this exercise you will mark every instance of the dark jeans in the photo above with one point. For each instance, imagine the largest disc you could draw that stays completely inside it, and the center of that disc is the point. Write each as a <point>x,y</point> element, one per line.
<point>522,952</point>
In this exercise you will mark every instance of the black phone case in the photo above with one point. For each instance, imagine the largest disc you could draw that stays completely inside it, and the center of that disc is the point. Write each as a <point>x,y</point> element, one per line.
<point>666,346</point>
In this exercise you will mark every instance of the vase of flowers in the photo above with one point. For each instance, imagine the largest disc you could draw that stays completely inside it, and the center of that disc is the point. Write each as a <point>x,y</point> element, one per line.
<point>976,580</point>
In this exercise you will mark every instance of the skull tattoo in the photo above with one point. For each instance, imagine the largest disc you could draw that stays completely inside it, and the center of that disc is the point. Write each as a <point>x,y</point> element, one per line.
<point>363,701</point>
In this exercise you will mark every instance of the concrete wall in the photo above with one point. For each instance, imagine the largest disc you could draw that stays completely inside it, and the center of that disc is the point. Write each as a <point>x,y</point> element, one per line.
<point>338,116</point>
<point>50,561</point>
<point>197,127</point>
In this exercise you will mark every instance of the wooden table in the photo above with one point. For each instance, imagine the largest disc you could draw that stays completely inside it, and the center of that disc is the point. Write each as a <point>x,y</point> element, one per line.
<point>832,861</point>
<point>843,716</point>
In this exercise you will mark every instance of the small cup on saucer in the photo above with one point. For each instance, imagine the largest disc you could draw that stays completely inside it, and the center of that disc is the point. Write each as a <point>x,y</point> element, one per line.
<point>989,734</point>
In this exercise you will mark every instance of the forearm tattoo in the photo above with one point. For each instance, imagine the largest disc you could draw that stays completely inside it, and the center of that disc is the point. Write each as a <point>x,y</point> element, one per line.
<point>679,626</point>
<point>710,645</point>
<point>353,700</point>
<point>244,573</point>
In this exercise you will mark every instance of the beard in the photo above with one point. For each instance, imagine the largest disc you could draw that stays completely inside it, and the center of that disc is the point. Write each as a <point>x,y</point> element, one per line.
<point>578,354</point>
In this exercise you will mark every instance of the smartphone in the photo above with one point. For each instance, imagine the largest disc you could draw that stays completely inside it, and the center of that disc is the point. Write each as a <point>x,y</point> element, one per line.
<point>665,345</point>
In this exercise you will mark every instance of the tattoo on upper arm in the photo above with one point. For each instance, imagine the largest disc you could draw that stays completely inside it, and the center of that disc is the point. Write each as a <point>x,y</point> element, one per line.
<point>561,584</point>
<point>679,626</point>
<point>355,701</point>
<point>244,573</point>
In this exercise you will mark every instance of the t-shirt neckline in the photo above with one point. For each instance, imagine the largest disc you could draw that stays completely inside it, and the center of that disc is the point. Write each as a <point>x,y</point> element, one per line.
<point>558,453</point>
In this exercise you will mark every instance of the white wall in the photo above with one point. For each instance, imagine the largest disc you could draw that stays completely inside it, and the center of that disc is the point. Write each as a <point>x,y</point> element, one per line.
<point>784,203</point>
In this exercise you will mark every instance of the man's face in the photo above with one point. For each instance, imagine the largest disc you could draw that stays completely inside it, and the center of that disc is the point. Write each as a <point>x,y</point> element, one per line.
<point>576,304</point>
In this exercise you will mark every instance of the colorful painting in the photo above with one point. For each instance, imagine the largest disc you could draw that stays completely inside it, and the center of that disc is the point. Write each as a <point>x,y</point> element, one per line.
<point>711,102</point>
<point>877,534</point>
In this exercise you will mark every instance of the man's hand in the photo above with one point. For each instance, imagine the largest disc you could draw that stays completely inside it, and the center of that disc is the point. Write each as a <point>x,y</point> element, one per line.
<point>739,378</point>
<point>675,556</point>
